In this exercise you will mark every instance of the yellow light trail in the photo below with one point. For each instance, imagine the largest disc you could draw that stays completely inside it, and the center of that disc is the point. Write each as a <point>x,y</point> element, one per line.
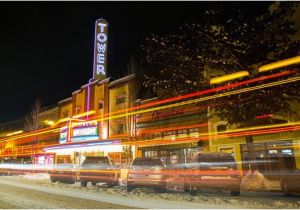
<point>31,134</point>
<point>15,133</point>
<point>76,116</point>
<point>229,77</point>
<point>279,64</point>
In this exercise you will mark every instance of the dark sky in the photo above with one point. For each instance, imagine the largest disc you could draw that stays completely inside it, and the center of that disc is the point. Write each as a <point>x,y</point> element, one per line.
<point>46,48</point>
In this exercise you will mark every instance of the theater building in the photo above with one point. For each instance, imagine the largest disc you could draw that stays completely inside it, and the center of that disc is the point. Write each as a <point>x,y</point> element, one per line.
<point>85,125</point>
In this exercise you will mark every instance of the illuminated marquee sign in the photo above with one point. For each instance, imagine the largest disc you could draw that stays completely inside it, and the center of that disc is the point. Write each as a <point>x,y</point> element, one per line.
<point>82,131</point>
<point>100,49</point>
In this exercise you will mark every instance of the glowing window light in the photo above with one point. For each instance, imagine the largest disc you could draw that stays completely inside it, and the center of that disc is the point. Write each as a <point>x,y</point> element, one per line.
<point>15,133</point>
<point>229,77</point>
<point>279,64</point>
<point>49,122</point>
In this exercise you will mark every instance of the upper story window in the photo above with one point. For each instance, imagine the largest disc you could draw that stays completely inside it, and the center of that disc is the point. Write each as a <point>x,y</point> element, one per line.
<point>100,104</point>
<point>77,109</point>
<point>120,99</point>
<point>192,130</point>
<point>221,128</point>
<point>65,114</point>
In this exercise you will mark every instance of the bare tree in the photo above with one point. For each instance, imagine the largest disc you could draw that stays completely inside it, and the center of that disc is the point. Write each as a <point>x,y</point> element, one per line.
<point>32,120</point>
<point>136,67</point>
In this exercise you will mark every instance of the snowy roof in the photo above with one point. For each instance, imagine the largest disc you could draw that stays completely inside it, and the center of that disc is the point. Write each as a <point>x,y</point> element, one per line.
<point>65,100</point>
<point>76,91</point>
<point>122,80</point>
<point>98,82</point>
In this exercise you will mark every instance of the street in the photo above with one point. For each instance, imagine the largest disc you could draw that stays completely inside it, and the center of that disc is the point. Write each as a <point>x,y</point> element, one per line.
<point>25,192</point>
<point>12,196</point>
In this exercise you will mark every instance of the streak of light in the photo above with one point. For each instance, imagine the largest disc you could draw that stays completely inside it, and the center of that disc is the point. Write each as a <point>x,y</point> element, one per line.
<point>15,133</point>
<point>279,64</point>
<point>264,116</point>
<point>229,77</point>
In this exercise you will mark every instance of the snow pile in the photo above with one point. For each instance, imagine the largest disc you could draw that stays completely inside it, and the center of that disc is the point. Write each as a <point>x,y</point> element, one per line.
<point>206,197</point>
<point>36,176</point>
<point>255,181</point>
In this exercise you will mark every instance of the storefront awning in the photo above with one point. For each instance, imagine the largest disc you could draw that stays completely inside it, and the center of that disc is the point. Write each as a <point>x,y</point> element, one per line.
<point>107,145</point>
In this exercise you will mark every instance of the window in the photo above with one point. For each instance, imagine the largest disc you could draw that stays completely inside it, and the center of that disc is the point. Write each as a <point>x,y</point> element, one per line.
<point>65,114</point>
<point>192,130</point>
<point>100,104</point>
<point>287,151</point>
<point>221,128</point>
<point>120,99</point>
<point>120,128</point>
<point>77,109</point>
<point>168,133</point>
<point>229,150</point>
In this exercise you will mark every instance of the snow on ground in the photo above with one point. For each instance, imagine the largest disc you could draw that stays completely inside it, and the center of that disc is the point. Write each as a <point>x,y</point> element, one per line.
<point>36,176</point>
<point>219,198</point>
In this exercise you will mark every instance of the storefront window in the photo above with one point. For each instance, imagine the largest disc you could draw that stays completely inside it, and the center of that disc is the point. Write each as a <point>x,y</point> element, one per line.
<point>64,159</point>
<point>273,158</point>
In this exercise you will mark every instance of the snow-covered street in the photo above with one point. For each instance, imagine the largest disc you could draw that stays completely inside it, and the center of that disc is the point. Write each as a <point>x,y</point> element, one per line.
<point>37,191</point>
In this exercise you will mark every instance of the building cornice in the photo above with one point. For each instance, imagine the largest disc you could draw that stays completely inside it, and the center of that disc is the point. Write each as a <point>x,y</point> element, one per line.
<point>122,80</point>
<point>98,82</point>
<point>65,101</point>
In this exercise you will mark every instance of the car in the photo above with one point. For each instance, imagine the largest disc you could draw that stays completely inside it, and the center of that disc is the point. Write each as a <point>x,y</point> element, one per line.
<point>97,169</point>
<point>213,170</point>
<point>147,172</point>
<point>290,182</point>
<point>63,173</point>
<point>5,170</point>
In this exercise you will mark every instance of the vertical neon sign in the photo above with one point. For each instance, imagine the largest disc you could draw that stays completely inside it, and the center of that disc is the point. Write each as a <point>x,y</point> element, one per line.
<point>100,49</point>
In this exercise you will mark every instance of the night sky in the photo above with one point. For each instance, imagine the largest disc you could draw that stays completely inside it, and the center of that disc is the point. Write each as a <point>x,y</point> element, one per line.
<point>46,48</point>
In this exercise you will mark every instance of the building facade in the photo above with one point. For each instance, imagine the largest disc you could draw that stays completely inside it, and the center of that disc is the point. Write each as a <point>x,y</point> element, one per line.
<point>93,122</point>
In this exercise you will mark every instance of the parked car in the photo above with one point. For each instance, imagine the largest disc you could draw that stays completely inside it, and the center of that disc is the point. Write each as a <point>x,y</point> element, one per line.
<point>63,173</point>
<point>213,170</point>
<point>147,172</point>
<point>290,182</point>
<point>5,170</point>
<point>97,169</point>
